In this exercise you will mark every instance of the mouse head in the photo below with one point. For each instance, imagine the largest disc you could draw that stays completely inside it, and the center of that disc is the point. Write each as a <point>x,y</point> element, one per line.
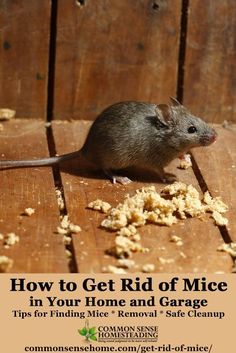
<point>184,130</point>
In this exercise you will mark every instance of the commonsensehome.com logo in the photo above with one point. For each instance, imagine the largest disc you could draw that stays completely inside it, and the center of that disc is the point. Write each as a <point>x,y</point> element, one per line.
<point>119,333</point>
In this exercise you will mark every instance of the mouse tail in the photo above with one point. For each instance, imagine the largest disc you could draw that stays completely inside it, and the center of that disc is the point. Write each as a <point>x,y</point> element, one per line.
<point>43,162</point>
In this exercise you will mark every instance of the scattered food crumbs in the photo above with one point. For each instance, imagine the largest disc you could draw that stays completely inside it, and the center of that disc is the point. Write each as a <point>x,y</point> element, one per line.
<point>83,182</point>
<point>99,205</point>
<point>228,248</point>
<point>11,239</point>
<point>29,211</point>
<point>5,263</point>
<point>67,240</point>
<point>177,240</point>
<point>165,261</point>
<point>68,253</point>
<point>183,255</point>
<point>185,162</point>
<point>7,114</point>
<point>62,231</point>
<point>219,219</point>
<point>65,222</point>
<point>214,204</point>
<point>176,202</point>
<point>74,228</point>
<point>147,268</point>
<point>60,200</point>
<point>113,269</point>
<point>126,263</point>
<point>66,227</point>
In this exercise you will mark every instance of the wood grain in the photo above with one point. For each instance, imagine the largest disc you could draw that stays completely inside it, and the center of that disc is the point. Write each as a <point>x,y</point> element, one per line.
<point>210,65</point>
<point>218,168</point>
<point>109,51</point>
<point>40,249</point>
<point>24,44</point>
<point>82,184</point>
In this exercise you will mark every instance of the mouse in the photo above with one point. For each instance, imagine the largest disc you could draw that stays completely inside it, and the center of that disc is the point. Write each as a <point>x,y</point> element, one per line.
<point>139,134</point>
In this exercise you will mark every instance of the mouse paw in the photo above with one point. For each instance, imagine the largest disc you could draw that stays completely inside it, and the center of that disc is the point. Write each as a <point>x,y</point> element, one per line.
<point>117,178</point>
<point>169,178</point>
<point>120,179</point>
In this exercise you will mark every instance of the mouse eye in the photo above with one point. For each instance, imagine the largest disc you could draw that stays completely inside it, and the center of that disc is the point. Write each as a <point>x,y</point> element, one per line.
<point>192,129</point>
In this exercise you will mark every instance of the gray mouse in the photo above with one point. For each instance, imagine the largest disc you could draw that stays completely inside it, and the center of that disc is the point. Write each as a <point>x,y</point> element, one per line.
<point>135,134</point>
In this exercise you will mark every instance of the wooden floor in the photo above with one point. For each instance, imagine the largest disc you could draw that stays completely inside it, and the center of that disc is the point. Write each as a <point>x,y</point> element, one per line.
<point>41,249</point>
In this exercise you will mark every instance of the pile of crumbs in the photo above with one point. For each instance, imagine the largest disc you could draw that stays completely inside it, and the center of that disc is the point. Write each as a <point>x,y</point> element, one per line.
<point>99,205</point>
<point>66,228</point>
<point>175,202</point>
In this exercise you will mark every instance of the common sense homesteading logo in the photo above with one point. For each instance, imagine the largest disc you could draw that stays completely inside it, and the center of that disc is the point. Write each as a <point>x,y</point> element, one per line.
<point>127,333</point>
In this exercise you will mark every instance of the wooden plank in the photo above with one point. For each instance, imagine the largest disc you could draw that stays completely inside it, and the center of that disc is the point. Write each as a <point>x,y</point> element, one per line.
<point>82,184</point>
<point>109,51</point>
<point>210,65</point>
<point>24,43</point>
<point>40,249</point>
<point>218,167</point>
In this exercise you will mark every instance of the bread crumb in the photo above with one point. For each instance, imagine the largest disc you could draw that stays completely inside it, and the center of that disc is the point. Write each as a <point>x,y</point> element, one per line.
<point>185,162</point>
<point>183,255</point>
<point>7,114</point>
<point>5,263</point>
<point>219,219</point>
<point>11,239</point>
<point>67,240</point>
<point>165,261</point>
<point>74,228</point>
<point>229,248</point>
<point>113,269</point>
<point>60,200</point>
<point>66,227</point>
<point>29,211</point>
<point>214,204</point>
<point>99,205</point>
<point>62,231</point>
<point>177,240</point>
<point>68,253</point>
<point>65,222</point>
<point>126,263</point>
<point>48,124</point>
<point>147,268</point>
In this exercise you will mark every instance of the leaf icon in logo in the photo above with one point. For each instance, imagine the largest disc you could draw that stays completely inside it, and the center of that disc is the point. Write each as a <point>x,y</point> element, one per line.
<point>83,331</point>
<point>92,330</point>
<point>93,338</point>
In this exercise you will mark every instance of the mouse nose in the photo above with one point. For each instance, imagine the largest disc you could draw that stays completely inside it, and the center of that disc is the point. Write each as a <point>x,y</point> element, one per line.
<point>214,136</point>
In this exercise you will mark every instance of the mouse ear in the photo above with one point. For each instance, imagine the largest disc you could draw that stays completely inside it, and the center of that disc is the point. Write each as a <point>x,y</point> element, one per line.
<point>164,114</point>
<point>175,102</point>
